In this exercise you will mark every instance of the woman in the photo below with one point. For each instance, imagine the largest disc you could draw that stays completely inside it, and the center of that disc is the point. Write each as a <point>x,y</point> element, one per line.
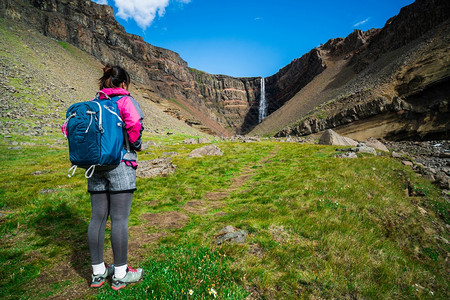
<point>112,190</point>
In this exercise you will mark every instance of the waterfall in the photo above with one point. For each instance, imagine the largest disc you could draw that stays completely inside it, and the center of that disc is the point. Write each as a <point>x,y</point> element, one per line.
<point>262,102</point>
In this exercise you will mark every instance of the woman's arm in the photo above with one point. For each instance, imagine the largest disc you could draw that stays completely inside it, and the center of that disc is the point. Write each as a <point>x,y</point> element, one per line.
<point>132,116</point>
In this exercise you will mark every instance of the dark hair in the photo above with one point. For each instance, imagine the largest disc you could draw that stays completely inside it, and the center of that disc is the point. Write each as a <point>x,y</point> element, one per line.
<point>113,76</point>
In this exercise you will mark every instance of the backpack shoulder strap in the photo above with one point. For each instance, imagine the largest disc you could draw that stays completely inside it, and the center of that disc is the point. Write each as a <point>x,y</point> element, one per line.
<point>117,98</point>
<point>125,134</point>
<point>97,96</point>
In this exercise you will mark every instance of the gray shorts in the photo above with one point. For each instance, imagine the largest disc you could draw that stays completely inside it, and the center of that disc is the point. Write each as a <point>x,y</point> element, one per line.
<point>117,180</point>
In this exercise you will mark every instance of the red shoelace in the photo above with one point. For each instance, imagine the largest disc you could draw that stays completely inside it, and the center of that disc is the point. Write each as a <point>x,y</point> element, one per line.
<point>132,270</point>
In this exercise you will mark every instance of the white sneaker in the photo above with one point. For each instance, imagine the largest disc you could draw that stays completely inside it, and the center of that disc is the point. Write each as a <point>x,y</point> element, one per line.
<point>133,275</point>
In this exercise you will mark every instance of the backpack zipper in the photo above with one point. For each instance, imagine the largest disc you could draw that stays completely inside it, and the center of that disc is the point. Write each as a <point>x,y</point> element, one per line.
<point>113,112</point>
<point>91,113</point>
<point>100,126</point>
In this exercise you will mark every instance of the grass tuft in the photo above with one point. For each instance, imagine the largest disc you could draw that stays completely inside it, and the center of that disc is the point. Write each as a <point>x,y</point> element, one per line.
<point>182,272</point>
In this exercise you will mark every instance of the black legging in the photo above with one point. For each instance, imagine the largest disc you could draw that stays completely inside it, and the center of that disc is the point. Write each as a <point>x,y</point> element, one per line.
<point>118,207</point>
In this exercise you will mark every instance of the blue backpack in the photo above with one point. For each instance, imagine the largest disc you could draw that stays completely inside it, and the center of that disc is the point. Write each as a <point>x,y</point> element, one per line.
<point>95,134</point>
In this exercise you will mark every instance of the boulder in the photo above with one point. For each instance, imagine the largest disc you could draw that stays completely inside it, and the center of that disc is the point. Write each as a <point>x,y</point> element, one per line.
<point>226,229</point>
<point>396,155</point>
<point>190,141</point>
<point>162,166</point>
<point>251,139</point>
<point>347,155</point>
<point>232,235</point>
<point>443,180</point>
<point>206,150</point>
<point>407,163</point>
<point>360,148</point>
<point>374,143</point>
<point>330,137</point>
<point>365,149</point>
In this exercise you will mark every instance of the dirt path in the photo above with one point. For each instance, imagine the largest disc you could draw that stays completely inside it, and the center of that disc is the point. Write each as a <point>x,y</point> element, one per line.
<point>213,199</point>
<point>141,241</point>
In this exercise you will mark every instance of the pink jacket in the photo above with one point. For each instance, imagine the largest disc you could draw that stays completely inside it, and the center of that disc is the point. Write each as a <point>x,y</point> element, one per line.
<point>130,112</point>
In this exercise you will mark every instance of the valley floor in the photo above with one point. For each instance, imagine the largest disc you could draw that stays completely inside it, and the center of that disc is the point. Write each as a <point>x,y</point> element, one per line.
<point>315,226</point>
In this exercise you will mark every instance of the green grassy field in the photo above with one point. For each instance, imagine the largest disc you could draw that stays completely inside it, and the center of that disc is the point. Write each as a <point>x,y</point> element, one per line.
<point>318,226</point>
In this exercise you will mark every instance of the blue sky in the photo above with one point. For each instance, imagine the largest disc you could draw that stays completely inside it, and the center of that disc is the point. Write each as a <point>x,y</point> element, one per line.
<point>248,38</point>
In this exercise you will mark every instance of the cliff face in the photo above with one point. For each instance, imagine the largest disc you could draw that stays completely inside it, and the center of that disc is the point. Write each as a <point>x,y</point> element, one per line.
<point>212,100</point>
<point>397,78</point>
<point>399,61</point>
<point>287,82</point>
<point>234,99</point>
<point>411,23</point>
<point>352,44</point>
<point>421,116</point>
<point>224,104</point>
<point>292,78</point>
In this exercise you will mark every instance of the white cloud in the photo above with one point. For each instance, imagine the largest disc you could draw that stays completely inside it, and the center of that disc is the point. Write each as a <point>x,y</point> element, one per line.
<point>101,1</point>
<point>361,22</point>
<point>142,11</point>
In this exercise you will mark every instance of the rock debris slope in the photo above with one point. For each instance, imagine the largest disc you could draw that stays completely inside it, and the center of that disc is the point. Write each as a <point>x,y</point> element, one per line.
<point>40,78</point>
<point>390,82</point>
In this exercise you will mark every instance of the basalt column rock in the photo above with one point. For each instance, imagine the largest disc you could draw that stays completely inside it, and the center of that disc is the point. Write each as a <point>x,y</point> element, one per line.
<point>350,45</point>
<point>412,22</point>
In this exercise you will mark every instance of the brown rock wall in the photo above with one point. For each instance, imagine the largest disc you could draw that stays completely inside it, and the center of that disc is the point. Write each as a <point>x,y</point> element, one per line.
<point>93,28</point>
<point>282,86</point>
<point>234,99</point>
<point>223,101</point>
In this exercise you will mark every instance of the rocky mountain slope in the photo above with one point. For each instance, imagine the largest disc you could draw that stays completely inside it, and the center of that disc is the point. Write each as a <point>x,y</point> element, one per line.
<point>215,103</point>
<point>388,82</point>
<point>391,83</point>
<point>41,77</point>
